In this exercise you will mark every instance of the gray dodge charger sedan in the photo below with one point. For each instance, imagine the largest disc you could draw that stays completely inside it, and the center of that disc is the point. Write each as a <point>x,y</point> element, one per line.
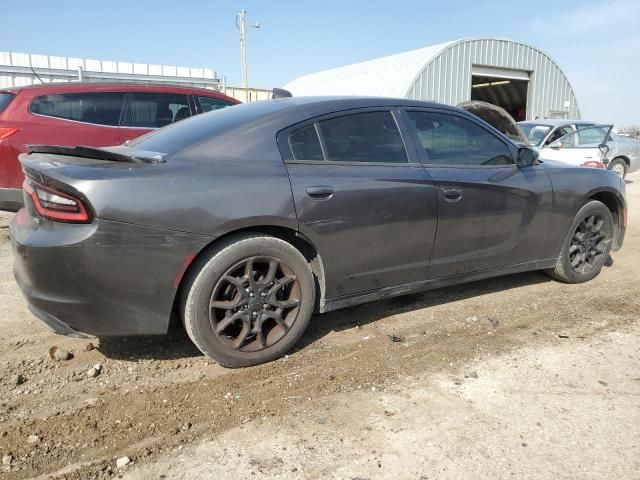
<point>245,221</point>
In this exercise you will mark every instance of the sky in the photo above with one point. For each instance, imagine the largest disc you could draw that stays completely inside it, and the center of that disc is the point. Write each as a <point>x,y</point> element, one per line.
<point>596,43</point>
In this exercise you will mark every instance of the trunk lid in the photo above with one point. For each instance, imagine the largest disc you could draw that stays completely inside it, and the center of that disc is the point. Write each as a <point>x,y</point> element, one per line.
<point>71,164</point>
<point>89,173</point>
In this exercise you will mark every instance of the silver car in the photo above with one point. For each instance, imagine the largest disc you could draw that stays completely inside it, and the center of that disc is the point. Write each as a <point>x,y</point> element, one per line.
<point>623,155</point>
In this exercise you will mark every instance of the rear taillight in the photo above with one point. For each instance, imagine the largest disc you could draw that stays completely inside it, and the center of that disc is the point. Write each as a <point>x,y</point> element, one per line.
<point>56,205</point>
<point>6,132</point>
<point>593,164</point>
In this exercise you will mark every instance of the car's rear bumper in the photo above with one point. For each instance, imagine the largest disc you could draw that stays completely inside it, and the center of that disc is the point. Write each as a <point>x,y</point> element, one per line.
<point>56,325</point>
<point>11,199</point>
<point>105,278</point>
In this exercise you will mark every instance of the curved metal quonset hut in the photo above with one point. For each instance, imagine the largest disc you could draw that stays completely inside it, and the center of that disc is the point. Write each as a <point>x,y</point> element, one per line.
<point>520,78</point>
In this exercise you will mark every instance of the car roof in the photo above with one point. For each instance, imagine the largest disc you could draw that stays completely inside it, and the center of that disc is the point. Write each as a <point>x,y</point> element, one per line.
<point>556,122</point>
<point>76,87</point>
<point>199,135</point>
<point>337,103</point>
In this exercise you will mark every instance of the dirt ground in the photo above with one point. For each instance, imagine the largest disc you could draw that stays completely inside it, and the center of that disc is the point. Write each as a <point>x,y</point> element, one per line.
<point>517,377</point>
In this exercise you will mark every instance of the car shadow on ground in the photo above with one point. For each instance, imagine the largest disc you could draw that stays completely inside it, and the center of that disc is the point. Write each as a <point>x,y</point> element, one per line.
<point>370,312</point>
<point>177,345</point>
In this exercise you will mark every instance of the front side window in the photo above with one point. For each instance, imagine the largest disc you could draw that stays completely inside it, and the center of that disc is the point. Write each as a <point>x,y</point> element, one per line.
<point>558,133</point>
<point>101,108</point>
<point>209,103</point>
<point>363,137</point>
<point>305,144</point>
<point>155,110</point>
<point>452,140</point>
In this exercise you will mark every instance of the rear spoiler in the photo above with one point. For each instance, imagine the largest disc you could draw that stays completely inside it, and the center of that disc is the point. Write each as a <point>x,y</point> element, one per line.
<point>114,154</point>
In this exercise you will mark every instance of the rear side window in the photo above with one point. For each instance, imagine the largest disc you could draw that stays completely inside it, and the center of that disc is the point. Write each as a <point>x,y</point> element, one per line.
<point>363,137</point>
<point>155,110</point>
<point>452,140</point>
<point>101,108</point>
<point>208,103</point>
<point>5,100</point>
<point>305,144</point>
<point>587,137</point>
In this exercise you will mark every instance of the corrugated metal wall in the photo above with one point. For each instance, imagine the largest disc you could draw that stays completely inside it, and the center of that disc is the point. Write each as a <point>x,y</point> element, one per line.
<point>447,78</point>
<point>16,69</point>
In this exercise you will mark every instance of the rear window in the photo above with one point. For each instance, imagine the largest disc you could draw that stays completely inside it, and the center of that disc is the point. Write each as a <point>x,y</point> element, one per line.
<point>101,108</point>
<point>197,129</point>
<point>5,100</point>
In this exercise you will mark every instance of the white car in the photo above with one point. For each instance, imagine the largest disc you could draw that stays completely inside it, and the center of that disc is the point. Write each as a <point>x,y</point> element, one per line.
<point>579,142</point>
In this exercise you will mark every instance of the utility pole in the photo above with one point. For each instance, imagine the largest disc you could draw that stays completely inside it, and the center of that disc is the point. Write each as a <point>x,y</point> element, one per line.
<point>243,47</point>
<point>241,23</point>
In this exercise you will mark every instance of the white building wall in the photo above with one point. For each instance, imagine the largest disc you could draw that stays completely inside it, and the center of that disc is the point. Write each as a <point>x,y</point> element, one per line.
<point>442,73</point>
<point>447,78</point>
<point>17,69</point>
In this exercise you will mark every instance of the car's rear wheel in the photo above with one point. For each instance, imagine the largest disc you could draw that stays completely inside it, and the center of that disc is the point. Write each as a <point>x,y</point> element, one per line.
<point>587,246</point>
<point>619,166</point>
<point>250,301</point>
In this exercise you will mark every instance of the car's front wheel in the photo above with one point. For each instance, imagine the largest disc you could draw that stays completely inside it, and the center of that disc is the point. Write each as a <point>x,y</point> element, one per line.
<point>587,246</point>
<point>249,301</point>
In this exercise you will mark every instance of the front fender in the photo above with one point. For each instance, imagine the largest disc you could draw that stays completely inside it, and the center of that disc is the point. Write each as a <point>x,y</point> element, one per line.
<point>572,188</point>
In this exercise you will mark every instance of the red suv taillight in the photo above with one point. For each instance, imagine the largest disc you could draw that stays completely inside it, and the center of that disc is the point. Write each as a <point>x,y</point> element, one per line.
<point>6,132</point>
<point>55,205</point>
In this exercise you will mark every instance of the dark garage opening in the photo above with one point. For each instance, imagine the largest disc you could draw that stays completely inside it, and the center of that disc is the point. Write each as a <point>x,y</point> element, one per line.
<point>507,93</point>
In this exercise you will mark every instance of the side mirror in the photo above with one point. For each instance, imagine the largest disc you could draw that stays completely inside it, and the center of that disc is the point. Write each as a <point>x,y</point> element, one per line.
<point>527,157</point>
<point>604,149</point>
<point>555,144</point>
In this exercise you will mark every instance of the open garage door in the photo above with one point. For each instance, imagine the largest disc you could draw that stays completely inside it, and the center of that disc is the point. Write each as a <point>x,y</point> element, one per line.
<point>502,87</point>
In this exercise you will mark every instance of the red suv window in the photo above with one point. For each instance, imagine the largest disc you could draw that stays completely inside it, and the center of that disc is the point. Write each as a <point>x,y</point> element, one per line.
<point>155,110</point>
<point>5,100</point>
<point>209,103</point>
<point>101,108</point>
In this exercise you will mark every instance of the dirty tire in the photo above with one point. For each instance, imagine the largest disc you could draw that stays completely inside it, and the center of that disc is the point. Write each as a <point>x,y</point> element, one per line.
<point>221,273</point>
<point>619,166</point>
<point>564,270</point>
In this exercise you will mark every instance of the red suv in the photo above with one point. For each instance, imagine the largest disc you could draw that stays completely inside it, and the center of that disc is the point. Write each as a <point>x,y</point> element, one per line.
<point>95,114</point>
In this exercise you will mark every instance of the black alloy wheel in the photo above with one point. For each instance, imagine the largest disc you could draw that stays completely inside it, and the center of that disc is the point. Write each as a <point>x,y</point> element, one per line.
<point>586,248</point>
<point>255,303</point>
<point>248,300</point>
<point>589,243</point>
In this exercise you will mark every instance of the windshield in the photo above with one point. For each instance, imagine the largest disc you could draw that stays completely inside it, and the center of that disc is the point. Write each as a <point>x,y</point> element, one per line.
<point>535,133</point>
<point>195,130</point>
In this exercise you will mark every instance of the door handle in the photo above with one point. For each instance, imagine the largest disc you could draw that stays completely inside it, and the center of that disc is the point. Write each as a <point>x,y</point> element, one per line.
<point>320,191</point>
<point>452,194</point>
